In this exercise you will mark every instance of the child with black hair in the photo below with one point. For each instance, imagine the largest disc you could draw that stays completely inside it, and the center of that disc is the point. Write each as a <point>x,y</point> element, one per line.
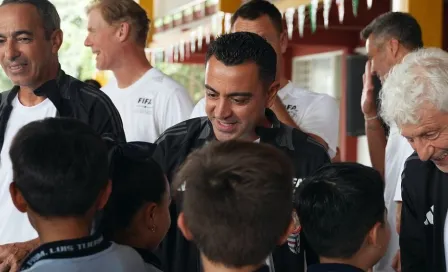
<point>137,213</point>
<point>343,217</point>
<point>60,172</point>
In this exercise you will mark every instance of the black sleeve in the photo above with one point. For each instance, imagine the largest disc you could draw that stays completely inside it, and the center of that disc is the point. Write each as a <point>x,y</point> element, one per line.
<point>163,154</point>
<point>159,155</point>
<point>412,232</point>
<point>106,120</point>
<point>171,147</point>
<point>320,158</point>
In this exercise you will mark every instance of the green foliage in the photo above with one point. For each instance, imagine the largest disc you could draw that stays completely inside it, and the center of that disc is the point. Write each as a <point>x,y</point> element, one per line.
<point>76,59</point>
<point>5,83</point>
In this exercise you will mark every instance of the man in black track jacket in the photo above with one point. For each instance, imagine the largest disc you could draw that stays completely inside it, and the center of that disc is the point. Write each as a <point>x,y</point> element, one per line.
<point>240,86</point>
<point>30,37</point>
<point>414,97</point>
<point>425,206</point>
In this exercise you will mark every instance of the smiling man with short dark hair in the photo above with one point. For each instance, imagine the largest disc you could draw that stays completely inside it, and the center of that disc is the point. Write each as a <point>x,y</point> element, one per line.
<point>240,86</point>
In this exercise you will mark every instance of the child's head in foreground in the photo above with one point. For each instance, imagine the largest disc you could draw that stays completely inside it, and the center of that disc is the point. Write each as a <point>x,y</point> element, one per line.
<point>138,210</point>
<point>237,202</point>
<point>60,171</point>
<point>342,214</point>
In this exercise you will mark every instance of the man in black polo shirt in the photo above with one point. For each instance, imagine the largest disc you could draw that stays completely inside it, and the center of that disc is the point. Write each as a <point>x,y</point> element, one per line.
<point>30,37</point>
<point>240,87</point>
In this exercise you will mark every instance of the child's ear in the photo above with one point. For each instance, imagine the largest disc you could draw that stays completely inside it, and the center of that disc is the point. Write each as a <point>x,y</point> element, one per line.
<point>183,227</point>
<point>150,215</point>
<point>104,195</point>
<point>378,236</point>
<point>17,198</point>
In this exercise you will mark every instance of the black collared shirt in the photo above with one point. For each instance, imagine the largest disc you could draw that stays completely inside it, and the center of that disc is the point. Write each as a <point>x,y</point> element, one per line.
<point>329,267</point>
<point>74,99</point>
<point>176,143</point>
<point>423,216</point>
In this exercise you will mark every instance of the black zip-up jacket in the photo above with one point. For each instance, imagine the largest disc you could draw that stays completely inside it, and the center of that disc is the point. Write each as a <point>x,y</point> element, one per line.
<point>424,210</point>
<point>176,143</point>
<point>73,99</point>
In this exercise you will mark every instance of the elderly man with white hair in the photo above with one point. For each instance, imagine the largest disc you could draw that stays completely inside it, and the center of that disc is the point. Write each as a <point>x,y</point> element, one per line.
<point>415,97</point>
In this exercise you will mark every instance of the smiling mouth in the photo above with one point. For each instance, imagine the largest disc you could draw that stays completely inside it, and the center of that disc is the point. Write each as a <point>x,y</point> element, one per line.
<point>440,158</point>
<point>226,126</point>
<point>17,67</point>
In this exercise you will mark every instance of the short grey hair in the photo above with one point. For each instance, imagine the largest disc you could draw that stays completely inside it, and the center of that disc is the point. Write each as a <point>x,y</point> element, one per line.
<point>421,78</point>
<point>47,12</point>
<point>398,25</point>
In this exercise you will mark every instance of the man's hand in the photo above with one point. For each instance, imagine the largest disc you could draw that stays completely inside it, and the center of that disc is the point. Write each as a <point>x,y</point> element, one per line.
<point>396,262</point>
<point>368,103</point>
<point>11,255</point>
<point>398,217</point>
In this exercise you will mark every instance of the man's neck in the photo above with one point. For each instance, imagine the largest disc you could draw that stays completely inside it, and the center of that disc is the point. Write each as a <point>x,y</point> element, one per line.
<point>58,229</point>
<point>29,99</point>
<point>264,122</point>
<point>355,261</point>
<point>132,68</point>
<point>213,267</point>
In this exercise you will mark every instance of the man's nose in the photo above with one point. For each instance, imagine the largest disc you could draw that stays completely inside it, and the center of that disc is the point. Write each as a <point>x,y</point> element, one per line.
<point>87,42</point>
<point>223,109</point>
<point>424,149</point>
<point>11,51</point>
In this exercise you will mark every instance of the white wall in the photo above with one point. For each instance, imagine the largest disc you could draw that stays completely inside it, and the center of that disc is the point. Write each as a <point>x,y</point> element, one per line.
<point>363,151</point>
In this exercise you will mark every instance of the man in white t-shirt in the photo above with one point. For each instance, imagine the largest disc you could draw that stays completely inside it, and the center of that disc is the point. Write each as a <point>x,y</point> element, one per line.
<point>29,57</point>
<point>149,101</point>
<point>389,38</point>
<point>313,113</point>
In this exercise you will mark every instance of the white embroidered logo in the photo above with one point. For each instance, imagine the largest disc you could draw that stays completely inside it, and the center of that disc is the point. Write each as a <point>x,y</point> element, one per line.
<point>430,217</point>
<point>182,187</point>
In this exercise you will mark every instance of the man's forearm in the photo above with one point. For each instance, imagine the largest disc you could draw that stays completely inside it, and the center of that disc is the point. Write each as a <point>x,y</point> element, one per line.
<point>376,140</point>
<point>398,217</point>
